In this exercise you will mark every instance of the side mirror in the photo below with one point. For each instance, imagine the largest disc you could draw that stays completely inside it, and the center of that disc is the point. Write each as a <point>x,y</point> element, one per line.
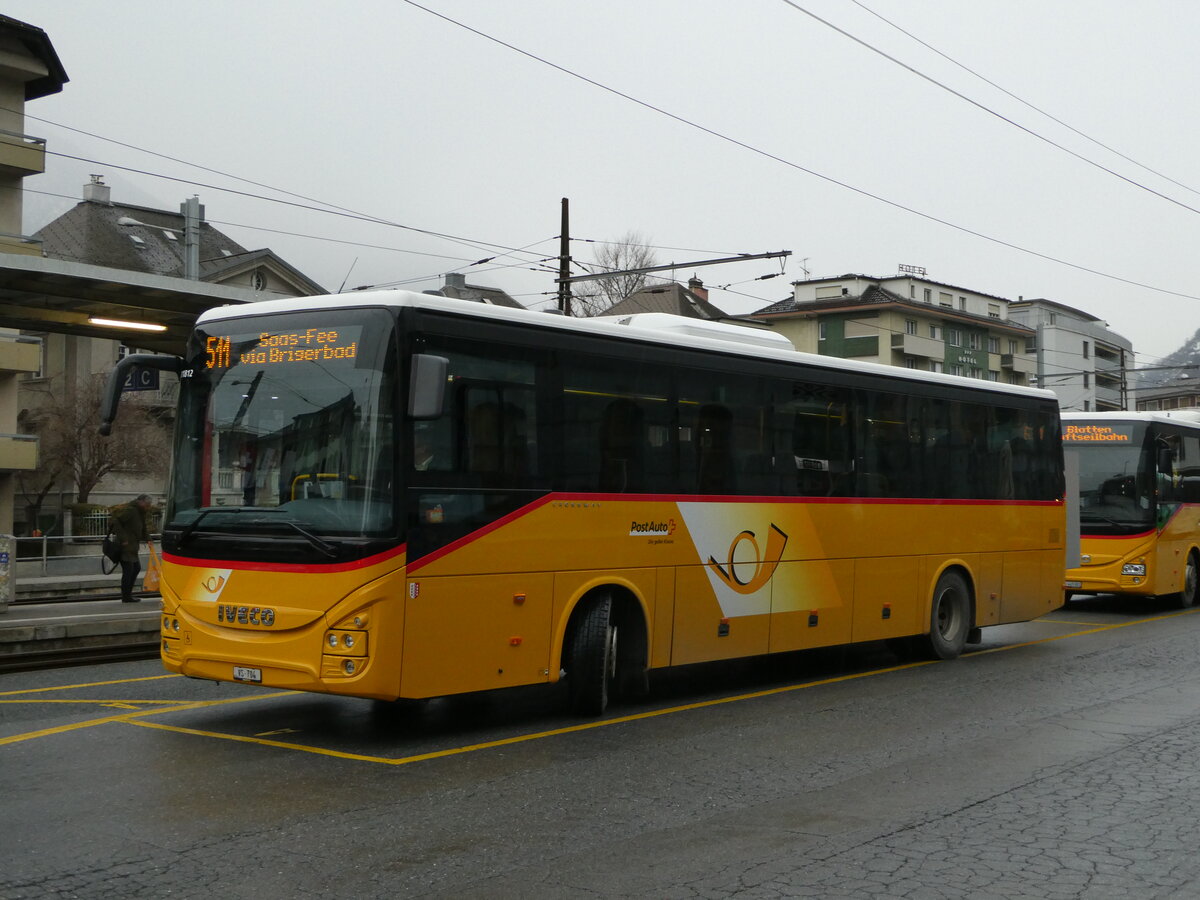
<point>110,402</point>
<point>427,386</point>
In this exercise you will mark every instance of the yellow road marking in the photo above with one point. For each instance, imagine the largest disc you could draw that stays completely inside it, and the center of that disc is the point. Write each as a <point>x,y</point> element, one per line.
<point>137,717</point>
<point>125,717</point>
<point>68,687</point>
<point>99,702</point>
<point>1045,621</point>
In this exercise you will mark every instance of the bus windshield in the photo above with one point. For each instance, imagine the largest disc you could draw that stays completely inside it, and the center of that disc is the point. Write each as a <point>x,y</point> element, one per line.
<point>1116,479</point>
<point>285,438</point>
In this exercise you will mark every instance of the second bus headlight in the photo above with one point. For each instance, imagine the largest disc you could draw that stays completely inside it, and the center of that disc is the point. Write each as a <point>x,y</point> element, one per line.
<point>1133,569</point>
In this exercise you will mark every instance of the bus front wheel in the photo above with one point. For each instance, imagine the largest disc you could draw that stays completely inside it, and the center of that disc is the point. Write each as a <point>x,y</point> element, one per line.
<point>949,617</point>
<point>1191,583</point>
<point>592,657</point>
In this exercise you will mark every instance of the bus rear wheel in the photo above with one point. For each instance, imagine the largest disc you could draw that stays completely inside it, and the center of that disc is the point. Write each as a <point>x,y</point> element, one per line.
<point>592,657</point>
<point>1191,583</point>
<point>949,617</point>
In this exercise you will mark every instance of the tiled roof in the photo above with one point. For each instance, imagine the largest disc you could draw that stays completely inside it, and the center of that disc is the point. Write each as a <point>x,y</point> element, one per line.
<point>671,298</point>
<point>874,294</point>
<point>142,239</point>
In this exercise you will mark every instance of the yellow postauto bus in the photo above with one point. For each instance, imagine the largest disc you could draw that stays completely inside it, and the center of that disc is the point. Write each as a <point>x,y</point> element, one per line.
<point>394,495</point>
<point>1139,504</point>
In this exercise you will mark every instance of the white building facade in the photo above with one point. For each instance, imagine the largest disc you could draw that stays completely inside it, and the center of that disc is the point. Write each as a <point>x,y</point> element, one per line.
<point>1078,357</point>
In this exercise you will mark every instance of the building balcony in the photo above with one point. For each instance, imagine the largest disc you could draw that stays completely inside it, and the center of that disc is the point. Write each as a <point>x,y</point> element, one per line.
<point>915,345</point>
<point>1013,362</point>
<point>20,355</point>
<point>18,452</point>
<point>1108,395</point>
<point>21,154</point>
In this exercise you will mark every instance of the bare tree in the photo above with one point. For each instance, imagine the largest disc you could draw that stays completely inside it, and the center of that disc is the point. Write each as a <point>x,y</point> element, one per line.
<point>71,449</point>
<point>631,251</point>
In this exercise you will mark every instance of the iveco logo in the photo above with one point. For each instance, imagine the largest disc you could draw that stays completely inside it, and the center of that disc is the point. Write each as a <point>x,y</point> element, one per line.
<point>245,615</point>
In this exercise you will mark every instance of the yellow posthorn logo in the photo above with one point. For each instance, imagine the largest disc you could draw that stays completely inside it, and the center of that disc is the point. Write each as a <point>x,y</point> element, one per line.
<point>764,566</point>
<point>213,583</point>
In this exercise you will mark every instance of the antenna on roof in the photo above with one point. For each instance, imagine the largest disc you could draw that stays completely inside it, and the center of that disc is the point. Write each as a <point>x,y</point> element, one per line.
<point>347,278</point>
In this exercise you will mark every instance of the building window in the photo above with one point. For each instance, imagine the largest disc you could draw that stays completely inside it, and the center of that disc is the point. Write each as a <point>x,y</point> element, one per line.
<point>1053,318</point>
<point>962,302</point>
<point>935,365</point>
<point>912,291</point>
<point>945,299</point>
<point>993,345</point>
<point>833,290</point>
<point>928,295</point>
<point>910,362</point>
<point>910,326</point>
<point>976,372</point>
<point>1012,348</point>
<point>993,375</point>
<point>1085,350</point>
<point>956,370</point>
<point>1087,380</point>
<point>953,337</point>
<point>973,341</point>
<point>993,310</point>
<point>935,333</point>
<point>822,328</point>
<point>1150,404</point>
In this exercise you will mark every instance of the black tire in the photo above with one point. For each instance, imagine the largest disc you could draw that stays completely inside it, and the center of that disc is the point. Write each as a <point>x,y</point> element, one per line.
<point>592,657</point>
<point>1187,598</point>
<point>949,617</point>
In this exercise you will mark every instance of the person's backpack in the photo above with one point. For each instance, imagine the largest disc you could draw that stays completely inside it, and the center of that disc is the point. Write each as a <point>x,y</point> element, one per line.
<point>111,548</point>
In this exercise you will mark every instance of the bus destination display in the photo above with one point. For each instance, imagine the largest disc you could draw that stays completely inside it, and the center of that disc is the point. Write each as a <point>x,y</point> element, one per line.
<point>1105,434</point>
<point>309,345</point>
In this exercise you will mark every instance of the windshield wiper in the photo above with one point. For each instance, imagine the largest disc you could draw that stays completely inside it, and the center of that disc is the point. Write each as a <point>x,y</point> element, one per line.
<point>192,525</point>
<point>322,546</point>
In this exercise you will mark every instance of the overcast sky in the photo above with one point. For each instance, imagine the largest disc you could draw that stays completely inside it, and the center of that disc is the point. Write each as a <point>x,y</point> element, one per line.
<point>783,133</point>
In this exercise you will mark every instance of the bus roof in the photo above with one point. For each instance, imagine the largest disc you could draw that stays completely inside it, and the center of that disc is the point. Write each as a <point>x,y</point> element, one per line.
<point>658,328</point>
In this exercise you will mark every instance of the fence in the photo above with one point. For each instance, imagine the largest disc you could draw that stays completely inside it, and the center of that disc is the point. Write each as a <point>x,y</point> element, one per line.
<point>96,524</point>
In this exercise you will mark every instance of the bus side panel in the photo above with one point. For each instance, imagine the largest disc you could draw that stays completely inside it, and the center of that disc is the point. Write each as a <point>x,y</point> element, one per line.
<point>887,602</point>
<point>989,587</point>
<point>476,633</point>
<point>1031,587</point>
<point>1175,542</point>
<point>702,632</point>
<point>664,616</point>
<point>812,603</point>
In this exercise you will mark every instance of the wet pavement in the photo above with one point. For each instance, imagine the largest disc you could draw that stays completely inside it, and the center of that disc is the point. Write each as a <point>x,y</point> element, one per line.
<point>1056,760</point>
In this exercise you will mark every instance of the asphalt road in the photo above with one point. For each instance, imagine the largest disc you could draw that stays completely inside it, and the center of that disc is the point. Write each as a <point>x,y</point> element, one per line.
<point>1057,760</point>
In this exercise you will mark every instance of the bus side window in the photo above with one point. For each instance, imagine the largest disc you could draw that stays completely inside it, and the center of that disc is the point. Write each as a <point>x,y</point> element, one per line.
<point>820,441</point>
<point>498,425</point>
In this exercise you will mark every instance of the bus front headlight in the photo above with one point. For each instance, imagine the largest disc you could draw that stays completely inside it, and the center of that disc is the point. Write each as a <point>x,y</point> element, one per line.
<point>1133,569</point>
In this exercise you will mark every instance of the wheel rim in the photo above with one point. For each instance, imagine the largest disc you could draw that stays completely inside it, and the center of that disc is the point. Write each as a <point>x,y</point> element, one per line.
<point>947,614</point>
<point>610,655</point>
<point>1189,580</point>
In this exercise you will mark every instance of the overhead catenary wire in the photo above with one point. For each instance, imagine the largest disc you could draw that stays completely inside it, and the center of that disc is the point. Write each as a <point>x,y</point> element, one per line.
<point>797,166</point>
<point>1023,101</point>
<point>987,109</point>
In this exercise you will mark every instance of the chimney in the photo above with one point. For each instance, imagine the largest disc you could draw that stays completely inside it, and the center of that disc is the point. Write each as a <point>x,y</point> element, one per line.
<point>96,191</point>
<point>456,280</point>
<point>696,286</point>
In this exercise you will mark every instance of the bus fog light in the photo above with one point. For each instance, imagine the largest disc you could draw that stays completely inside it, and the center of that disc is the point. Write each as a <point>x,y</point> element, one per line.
<point>1133,569</point>
<point>348,640</point>
<point>175,624</point>
<point>332,640</point>
<point>348,667</point>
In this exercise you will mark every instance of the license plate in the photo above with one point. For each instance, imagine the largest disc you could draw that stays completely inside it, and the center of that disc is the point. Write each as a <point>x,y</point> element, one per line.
<point>1074,584</point>
<point>241,673</point>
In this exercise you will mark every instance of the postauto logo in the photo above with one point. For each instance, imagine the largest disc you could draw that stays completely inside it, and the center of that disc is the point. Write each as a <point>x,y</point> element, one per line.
<point>651,529</point>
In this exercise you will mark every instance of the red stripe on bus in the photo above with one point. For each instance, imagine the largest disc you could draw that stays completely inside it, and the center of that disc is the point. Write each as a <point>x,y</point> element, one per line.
<point>302,568</point>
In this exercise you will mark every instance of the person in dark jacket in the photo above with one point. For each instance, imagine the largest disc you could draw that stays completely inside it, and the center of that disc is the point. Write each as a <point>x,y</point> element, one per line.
<point>130,525</point>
